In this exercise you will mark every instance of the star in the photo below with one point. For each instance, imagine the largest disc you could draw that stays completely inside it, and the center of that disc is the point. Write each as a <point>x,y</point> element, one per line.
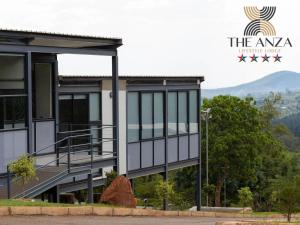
<point>277,58</point>
<point>265,58</point>
<point>254,58</point>
<point>242,58</point>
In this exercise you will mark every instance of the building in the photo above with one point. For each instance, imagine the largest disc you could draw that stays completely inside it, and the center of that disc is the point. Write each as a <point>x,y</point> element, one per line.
<point>78,127</point>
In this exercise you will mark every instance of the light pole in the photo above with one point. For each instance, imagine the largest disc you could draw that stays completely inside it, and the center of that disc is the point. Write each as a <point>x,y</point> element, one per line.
<point>207,117</point>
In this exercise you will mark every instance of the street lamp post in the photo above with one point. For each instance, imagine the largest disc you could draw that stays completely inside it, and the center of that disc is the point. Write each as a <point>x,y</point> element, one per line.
<point>207,117</point>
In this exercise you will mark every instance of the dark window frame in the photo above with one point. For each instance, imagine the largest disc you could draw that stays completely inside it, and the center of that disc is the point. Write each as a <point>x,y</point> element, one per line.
<point>16,93</point>
<point>165,133</point>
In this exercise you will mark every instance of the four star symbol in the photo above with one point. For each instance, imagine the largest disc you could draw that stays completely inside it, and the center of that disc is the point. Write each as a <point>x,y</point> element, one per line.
<point>242,58</point>
<point>254,58</point>
<point>277,58</point>
<point>265,58</point>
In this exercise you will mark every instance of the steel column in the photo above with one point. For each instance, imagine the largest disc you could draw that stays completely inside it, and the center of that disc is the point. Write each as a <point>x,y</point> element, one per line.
<point>199,171</point>
<point>165,175</point>
<point>8,182</point>
<point>90,188</point>
<point>115,107</point>
<point>28,66</point>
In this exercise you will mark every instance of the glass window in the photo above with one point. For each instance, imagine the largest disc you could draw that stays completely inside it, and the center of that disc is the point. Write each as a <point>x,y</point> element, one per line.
<point>12,112</point>
<point>193,111</point>
<point>11,74</point>
<point>65,112</point>
<point>147,115</point>
<point>172,113</point>
<point>133,116</point>
<point>182,113</point>
<point>12,92</point>
<point>94,107</point>
<point>158,114</point>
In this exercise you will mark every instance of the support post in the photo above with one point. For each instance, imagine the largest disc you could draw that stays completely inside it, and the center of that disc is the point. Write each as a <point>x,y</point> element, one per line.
<point>28,63</point>
<point>92,151</point>
<point>115,108</point>
<point>69,155</point>
<point>165,174</point>
<point>206,136</point>
<point>8,182</point>
<point>90,188</point>
<point>165,204</point>
<point>199,171</point>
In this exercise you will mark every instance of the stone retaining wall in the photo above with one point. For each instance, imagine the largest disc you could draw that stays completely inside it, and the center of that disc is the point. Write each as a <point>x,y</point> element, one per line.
<point>107,211</point>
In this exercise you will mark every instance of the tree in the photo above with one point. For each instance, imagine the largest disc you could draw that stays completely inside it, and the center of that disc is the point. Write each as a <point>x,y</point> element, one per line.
<point>23,168</point>
<point>209,190</point>
<point>245,197</point>
<point>288,195</point>
<point>235,131</point>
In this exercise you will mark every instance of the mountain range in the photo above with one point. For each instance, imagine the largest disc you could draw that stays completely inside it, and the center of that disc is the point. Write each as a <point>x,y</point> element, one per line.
<point>281,81</point>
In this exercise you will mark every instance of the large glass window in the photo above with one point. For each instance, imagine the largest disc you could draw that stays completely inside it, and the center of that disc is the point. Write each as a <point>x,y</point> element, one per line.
<point>172,113</point>
<point>133,116</point>
<point>182,113</point>
<point>12,92</point>
<point>193,111</point>
<point>158,114</point>
<point>147,115</point>
<point>94,107</point>
<point>78,110</point>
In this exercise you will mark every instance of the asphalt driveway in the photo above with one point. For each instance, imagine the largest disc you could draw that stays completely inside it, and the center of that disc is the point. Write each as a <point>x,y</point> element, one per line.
<point>100,220</point>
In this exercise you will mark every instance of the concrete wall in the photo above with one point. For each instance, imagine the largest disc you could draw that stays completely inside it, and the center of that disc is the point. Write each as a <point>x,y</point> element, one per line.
<point>107,120</point>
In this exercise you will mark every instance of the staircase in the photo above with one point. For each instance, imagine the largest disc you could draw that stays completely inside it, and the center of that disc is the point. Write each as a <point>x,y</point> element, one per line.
<point>69,160</point>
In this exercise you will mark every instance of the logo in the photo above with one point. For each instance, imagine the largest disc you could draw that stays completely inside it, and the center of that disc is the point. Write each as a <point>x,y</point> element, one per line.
<point>260,21</point>
<point>260,42</point>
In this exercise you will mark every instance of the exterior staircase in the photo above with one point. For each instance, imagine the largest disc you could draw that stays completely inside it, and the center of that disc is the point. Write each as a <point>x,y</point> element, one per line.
<point>67,162</point>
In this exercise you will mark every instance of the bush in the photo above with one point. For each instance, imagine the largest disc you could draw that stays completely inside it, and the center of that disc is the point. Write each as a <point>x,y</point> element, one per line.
<point>23,168</point>
<point>245,197</point>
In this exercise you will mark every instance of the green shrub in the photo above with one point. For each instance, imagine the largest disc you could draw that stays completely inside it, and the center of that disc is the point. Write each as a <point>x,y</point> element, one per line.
<point>23,168</point>
<point>245,197</point>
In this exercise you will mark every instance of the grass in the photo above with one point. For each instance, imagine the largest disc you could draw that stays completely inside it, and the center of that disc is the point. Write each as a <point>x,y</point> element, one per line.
<point>19,202</point>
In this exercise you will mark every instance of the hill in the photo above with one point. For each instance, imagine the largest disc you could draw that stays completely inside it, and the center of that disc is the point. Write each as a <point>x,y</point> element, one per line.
<point>282,81</point>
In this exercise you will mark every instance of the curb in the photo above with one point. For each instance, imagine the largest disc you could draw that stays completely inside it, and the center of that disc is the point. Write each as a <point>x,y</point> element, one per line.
<point>108,211</point>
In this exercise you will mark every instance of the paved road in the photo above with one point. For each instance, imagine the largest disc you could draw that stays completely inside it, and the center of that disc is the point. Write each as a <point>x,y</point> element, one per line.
<point>98,220</point>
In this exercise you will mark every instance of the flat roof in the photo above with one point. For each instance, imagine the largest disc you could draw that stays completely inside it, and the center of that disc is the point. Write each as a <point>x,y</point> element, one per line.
<point>47,39</point>
<point>133,77</point>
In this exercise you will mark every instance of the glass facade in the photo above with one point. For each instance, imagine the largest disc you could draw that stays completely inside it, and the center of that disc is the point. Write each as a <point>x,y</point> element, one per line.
<point>158,114</point>
<point>76,111</point>
<point>12,92</point>
<point>193,111</point>
<point>182,113</point>
<point>133,116</point>
<point>172,113</point>
<point>146,114</point>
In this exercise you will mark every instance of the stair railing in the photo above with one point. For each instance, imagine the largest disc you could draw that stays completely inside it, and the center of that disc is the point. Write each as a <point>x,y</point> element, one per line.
<point>59,156</point>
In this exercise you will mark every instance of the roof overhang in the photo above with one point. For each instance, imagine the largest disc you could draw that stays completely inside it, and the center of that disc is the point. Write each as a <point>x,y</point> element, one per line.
<point>15,40</point>
<point>133,78</point>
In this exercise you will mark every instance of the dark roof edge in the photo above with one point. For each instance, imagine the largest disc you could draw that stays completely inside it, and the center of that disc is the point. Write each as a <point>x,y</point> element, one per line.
<point>132,77</point>
<point>59,35</point>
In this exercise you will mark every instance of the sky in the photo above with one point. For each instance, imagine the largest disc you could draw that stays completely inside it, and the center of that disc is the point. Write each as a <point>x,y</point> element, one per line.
<point>160,37</point>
